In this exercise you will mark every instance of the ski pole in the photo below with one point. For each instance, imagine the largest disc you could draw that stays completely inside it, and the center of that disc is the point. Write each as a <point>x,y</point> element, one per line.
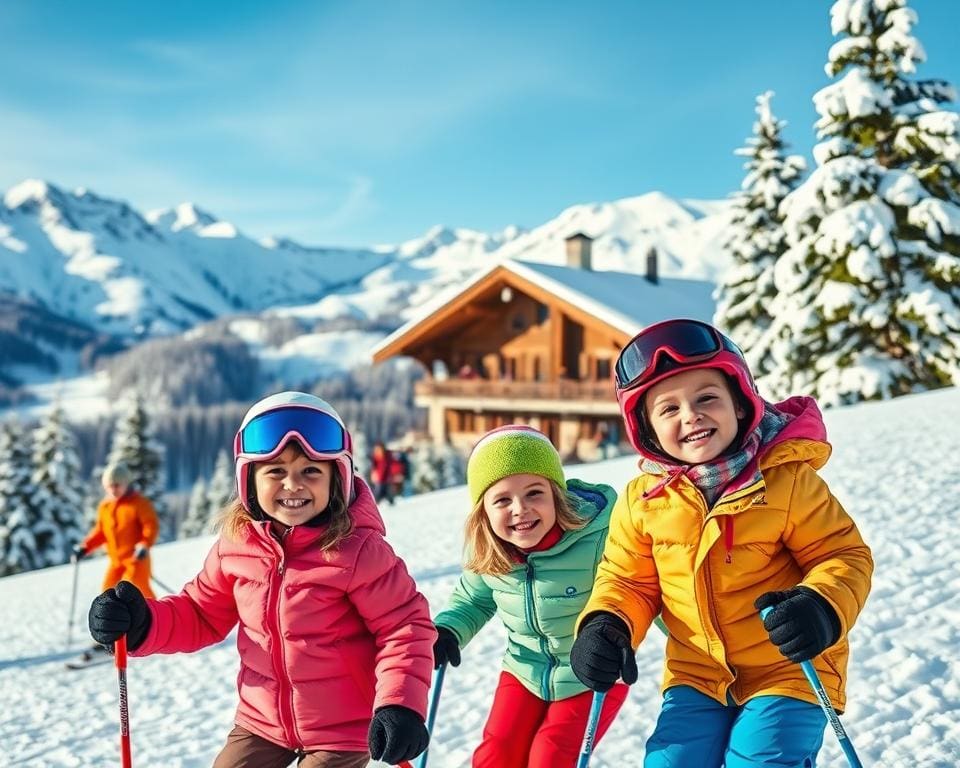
<point>160,584</point>
<point>814,679</point>
<point>120,649</point>
<point>590,733</point>
<point>438,674</point>
<point>73,600</point>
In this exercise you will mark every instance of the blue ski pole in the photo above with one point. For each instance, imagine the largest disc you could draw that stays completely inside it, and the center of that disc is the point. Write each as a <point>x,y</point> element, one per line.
<point>432,710</point>
<point>814,679</point>
<point>590,734</point>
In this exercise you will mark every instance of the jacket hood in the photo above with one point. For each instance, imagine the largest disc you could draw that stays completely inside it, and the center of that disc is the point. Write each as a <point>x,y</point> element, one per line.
<point>364,509</point>
<point>593,502</point>
<point>804,438</point>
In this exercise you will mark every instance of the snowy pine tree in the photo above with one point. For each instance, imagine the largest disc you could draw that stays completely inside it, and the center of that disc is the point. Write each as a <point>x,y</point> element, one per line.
<point>425,472</point>
<point>361,454</point>
<point>198,512</point>
<point>222,488</point>
<point>18,521</point>
<point>59,487</point>
<point>453,469</point>
<point>869,290</point>
<point>135,446</point>
<point>756,238</point>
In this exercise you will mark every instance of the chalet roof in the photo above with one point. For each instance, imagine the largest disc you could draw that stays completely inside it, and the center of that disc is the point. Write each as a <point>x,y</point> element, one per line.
<point>625,300</point>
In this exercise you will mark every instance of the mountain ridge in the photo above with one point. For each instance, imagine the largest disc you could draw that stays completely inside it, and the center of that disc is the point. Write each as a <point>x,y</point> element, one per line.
<point>129,276</point>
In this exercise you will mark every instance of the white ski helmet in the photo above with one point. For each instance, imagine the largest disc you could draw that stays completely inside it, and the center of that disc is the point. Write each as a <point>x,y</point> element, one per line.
<point>273,421</point>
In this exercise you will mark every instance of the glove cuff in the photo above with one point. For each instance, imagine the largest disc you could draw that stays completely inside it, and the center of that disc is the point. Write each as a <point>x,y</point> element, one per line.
<point>137,635</point>
<point>828,616</point>
<point>606,618</point>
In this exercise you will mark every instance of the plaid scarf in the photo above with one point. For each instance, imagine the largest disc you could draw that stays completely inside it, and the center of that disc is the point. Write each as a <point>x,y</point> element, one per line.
<point>712,477</point>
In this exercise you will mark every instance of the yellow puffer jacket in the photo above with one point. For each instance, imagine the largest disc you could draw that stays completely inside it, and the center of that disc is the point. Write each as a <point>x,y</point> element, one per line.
<point>704,568</point>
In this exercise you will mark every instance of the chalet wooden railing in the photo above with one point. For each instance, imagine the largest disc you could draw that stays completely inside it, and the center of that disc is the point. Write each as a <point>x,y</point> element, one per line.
<point>517,390</point>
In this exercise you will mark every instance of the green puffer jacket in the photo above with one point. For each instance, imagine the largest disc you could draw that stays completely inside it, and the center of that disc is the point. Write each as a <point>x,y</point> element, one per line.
<point>539,601</point>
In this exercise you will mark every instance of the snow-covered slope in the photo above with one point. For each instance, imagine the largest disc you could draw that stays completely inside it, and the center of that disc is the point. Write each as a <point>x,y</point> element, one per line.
<point>894,468</point>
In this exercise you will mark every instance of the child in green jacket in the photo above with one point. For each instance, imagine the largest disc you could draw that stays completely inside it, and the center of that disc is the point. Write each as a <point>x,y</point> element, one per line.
<point>533,541</point>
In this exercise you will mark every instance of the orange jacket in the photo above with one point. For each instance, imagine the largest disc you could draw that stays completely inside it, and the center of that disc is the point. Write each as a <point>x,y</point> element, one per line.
<point>121,525</point>
<point>703,568</point>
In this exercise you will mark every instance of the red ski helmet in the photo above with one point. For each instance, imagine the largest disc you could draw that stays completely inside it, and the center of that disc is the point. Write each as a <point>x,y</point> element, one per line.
<point>663,349</point>
<point>272,422</point>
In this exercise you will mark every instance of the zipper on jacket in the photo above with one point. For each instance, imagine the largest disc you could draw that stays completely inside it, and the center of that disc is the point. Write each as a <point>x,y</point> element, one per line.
<point>710,622</point>
<point>545,680</point>
<point>280,646</point>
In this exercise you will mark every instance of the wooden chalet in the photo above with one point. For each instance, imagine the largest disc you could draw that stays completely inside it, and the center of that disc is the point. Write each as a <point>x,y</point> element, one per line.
<point>535,343</point>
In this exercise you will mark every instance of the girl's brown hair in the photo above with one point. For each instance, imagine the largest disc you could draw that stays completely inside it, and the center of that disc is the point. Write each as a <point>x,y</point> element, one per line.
<point>489,555</point>
<point>234,518</point>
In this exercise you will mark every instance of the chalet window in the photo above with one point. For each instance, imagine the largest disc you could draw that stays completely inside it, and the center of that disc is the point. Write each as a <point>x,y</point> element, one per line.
<point>603,369</point>
<point>518,323</point>
<point>543,313</point>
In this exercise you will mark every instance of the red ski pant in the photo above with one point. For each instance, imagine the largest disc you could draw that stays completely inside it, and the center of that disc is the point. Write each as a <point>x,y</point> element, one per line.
<point>524,731</point>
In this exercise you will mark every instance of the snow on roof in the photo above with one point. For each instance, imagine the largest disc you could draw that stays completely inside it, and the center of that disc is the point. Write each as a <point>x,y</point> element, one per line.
<point>625,300</point>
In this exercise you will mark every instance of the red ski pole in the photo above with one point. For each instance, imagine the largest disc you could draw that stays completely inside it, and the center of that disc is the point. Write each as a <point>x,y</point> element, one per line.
<point>120,651</point>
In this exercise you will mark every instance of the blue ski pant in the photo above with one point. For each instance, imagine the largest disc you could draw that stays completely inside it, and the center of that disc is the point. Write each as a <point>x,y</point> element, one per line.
<point>696,730</point>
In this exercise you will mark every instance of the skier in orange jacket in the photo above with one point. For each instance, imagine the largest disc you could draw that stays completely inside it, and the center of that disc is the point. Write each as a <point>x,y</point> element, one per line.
<point>127,527</point>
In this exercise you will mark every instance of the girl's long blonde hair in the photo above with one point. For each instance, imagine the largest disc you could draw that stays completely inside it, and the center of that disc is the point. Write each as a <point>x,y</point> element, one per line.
<point>233,519</point>
<point>489,555</point>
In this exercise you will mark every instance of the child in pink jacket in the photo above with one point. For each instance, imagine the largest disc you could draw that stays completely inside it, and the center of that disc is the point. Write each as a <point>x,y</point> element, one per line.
<point>335,641</point>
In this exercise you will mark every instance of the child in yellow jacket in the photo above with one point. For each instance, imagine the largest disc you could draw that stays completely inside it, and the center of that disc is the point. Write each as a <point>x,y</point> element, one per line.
<point>729,516</point>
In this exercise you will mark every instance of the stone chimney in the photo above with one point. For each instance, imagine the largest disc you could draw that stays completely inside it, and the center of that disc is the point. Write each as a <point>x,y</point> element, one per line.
<point>578,251</point>
<point>652,266</point>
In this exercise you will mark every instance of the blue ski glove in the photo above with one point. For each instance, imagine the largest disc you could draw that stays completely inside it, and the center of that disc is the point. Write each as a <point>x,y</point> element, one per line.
<point>602,652</point>
<point>396,734</point>
<point>446,649</point>
<point>802,624</point>
<point>117,612</point>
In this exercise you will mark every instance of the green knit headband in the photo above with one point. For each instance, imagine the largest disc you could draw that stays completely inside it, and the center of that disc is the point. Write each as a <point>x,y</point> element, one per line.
<point>511,450</point>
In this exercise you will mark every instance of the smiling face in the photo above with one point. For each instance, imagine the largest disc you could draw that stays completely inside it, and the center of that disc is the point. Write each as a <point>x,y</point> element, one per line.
<point>292,488</point>
<point>521,509</point>
<point>693,415</point>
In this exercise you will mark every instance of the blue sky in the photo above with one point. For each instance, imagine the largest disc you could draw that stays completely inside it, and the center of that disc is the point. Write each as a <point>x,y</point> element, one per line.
<point>354,123</point>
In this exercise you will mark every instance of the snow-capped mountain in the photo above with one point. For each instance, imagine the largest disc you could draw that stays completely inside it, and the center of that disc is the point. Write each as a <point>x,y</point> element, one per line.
<point>123,275</point>
<point>100,262</point>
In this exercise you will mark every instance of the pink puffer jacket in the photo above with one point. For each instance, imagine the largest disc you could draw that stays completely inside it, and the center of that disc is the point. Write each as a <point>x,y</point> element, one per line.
<point>324,638</point>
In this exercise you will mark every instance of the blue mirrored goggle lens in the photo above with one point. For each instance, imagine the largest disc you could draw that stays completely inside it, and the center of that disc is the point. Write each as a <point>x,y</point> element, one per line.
<point>264,433</point>
<point>688,339</point>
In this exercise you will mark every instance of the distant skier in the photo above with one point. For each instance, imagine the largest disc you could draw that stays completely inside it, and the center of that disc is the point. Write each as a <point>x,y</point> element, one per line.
<point>533,542</point>
<point>380,466</point>
<point>728,516</point>
<point>127,526</point>
<point>334,639</point>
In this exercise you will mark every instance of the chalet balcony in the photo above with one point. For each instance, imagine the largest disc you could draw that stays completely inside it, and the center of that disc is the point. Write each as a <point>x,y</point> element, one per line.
<point>560,397</point>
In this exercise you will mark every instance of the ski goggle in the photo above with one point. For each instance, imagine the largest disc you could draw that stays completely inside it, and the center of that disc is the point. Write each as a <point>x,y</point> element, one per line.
<point>686,341</point>
<point>269,431</point>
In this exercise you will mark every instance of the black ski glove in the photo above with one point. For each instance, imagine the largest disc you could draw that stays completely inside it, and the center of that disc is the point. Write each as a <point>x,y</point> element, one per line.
<point>602,652</point>
<point>802,624</point>
<point>397,733</point>
<point>117,612</point>
<point>446,649</point>
<point>78,552</point>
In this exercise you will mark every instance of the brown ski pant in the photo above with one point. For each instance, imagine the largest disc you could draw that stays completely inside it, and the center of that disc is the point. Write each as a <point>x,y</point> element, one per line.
<point>245,750</point>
